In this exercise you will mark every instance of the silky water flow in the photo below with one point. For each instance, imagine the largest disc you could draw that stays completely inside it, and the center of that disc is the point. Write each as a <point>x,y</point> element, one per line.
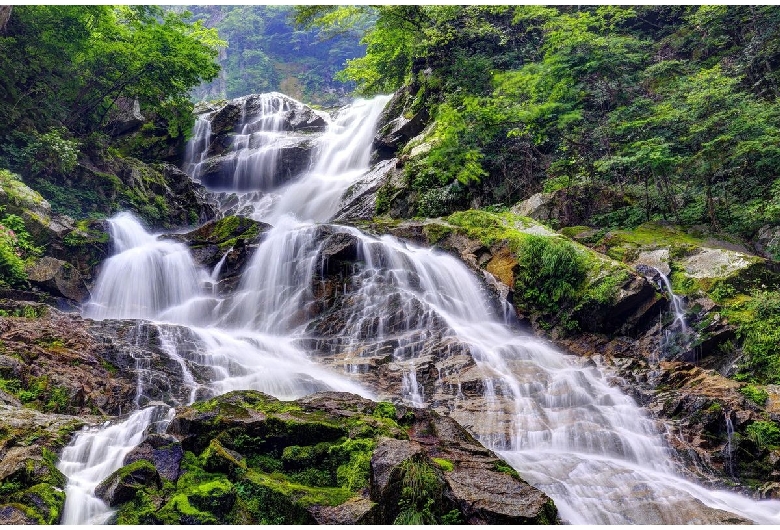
<point>560,424</point>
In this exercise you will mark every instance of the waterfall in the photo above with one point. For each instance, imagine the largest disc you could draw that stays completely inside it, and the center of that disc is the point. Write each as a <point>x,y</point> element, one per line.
<point>558,422</point>
<point>678,337</point>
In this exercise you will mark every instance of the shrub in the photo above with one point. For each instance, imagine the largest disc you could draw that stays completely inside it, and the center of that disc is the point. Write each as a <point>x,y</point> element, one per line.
<point>549,273</point>
<point>755,394</point>
<point>765,434</point>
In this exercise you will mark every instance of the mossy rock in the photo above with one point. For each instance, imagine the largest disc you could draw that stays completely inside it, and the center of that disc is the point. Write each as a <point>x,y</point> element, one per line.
<point>266,461</point>
<point>122,485</point>
<point>218,459</point>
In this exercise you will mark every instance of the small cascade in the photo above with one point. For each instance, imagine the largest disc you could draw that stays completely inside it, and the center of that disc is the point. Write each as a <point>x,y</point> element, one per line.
<point>729,437</point>
<point>264,151</point>
<point>411,391</point>
<point>344,153</point>
<point>146,276</point>
<point>94,454</point>
<point>677,337</point>
<point>214,276</point>
<point>197,148</point>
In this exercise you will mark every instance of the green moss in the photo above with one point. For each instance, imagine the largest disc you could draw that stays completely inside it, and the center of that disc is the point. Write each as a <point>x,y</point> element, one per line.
<point>299,493</point>
<point>385,409</point>
<point>435,232</point>
<point>444,464</point>
<point>503,467</point>
<point>179,511</point>
<point>218,459</point>
<point>46,500</point>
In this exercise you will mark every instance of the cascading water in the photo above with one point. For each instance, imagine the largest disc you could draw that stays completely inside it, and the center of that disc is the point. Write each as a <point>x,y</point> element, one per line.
<point>558,423</point>
<point>677,337</point>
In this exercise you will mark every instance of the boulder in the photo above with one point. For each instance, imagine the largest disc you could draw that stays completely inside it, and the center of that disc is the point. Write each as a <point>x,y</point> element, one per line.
<point>59,278</point>
<point>122,485</point>
<point>767,242</point>
<point>328,458</point>
<point>125,117</point>
<point>163,451</point>
<point>398,123</point>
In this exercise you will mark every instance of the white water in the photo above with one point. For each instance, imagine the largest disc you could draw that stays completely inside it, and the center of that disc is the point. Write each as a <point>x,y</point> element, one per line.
<point>678,306</point>
<point>560,425</point>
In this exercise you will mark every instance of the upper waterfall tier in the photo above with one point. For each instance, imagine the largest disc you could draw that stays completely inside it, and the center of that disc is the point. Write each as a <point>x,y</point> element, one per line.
<point>284,157</point>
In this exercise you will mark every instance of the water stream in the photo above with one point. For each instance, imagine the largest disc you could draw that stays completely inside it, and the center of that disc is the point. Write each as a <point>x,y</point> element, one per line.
<point>558,422</point>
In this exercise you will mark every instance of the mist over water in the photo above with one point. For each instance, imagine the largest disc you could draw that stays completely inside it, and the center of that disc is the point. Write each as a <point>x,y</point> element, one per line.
<point>559,423</point>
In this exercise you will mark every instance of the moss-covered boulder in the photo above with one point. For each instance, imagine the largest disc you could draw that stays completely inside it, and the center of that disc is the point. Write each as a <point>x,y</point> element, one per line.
<point>122,485</point>
<point>31,486</point>
<point>229,241</point>
<point>163,451</point>
<point>327,458</point>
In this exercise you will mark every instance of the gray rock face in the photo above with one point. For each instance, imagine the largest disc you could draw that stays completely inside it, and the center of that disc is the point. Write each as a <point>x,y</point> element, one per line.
<point>59,278</point>
<point>272,131</point>
<point>126,117</point>
<point>162,450</point>
<point>394,128</point>
<point>768,242</point>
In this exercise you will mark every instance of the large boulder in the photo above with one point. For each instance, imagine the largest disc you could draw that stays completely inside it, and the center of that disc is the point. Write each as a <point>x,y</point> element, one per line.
<point>399,123</point>
<point>59,278</point>
<point>329,458</point>
<point>31,484</point>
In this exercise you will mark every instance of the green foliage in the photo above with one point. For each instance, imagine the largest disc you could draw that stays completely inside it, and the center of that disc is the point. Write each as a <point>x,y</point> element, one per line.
<point>550,271</point>
<point>16,250</point>
<point>605,289</point>
<point>765,434</point>
<point>682,120</point>
<point>419,494</point>
<point>52,152</point>
<point>755,394</point>
<point>80,62</point>
<point>760,333</point>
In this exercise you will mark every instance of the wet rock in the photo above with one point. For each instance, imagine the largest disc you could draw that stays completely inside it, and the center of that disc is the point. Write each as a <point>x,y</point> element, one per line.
<point>291,160</point>
<point>360,199</point>
<point>231,240</point>
<point>329,458</point>
<point>16,515</point>
<point>163,451</point>
<point>394,128</point>
<point>122,485</point>
<point>83,366</point>
<point>31,484</point>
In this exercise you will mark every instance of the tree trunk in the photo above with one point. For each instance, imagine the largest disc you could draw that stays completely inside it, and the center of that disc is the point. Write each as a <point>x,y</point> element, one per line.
<point>5,14</point>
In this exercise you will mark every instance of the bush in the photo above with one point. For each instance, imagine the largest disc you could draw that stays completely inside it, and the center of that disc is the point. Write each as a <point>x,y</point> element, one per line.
<point>754,394</point>
<point>15,247</point>
<point>761,338</point>
<point>765,434</point>
<point>549,273</point>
